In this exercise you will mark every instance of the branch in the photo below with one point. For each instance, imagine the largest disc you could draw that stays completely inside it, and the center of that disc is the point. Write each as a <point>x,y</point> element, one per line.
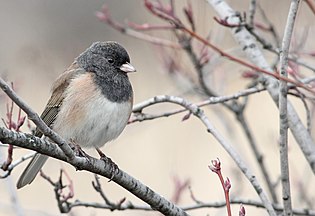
<point>92,165</point>
<point>211,100</point>
<point>250,47</point>
<point>15,164</point>
<point>194,109</point>
<point>252,12</point>
<point>262,70</point>
<point>104,16</point>
<point>164,14</point>
<point>123,179</point>
<point>61,197</point>
<point>226,185</point>
<point>218,204</point>
<point>12,125</point>
<point>283,111</point>
<point>63,152</point>
<point>259,157</point>
<point>38,121</point>
<point>98,188</point>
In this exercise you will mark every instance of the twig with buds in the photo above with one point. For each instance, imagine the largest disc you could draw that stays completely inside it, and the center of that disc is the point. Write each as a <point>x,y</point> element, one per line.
<point>226,184</point>
<point>12,125</point>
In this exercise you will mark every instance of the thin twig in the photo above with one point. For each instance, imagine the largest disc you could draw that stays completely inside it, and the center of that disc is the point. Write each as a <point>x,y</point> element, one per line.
<point>226,185</point>
<point>62,199</point>
<point>179,187</point>
<point>271,28</point>
<point>311,5</point>
<point>258,156</point>
<point>16,163</point>
<point>37,120</point>
<point>11,125</point>
<point>211,100</point>
<point>98,188</point>
<point>201,205</point>
<point>283,112</point>
<point>303,98</point>
<point>15,203</point>
<point>252,12</point>
<point>105,17</point>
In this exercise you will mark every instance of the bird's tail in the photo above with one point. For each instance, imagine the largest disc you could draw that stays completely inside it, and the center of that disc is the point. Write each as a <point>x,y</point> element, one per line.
<point>31,170</point>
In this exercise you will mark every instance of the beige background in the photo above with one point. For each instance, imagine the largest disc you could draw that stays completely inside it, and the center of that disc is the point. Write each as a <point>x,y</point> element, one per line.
<point>40,38</point>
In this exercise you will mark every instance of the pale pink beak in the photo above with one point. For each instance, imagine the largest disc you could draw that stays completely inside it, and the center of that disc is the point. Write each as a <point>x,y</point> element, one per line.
<point>127,67</point>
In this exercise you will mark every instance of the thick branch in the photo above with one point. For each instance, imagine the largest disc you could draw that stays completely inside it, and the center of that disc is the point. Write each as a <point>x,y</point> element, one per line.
<point>95,166</point>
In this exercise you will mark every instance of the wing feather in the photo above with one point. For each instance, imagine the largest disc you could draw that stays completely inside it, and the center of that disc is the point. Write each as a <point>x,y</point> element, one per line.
<point>58,93</point>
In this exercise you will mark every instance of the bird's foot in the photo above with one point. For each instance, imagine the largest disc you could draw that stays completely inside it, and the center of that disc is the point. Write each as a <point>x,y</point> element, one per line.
<point>78,151</point>
<point>114,166</point>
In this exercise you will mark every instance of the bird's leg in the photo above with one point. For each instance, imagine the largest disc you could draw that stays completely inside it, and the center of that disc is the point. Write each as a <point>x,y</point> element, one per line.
<point>77,149</point>
<point>114,167</point>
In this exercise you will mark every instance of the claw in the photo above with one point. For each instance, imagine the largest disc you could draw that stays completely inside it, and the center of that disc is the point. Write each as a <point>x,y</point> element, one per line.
<point>78,150</point>
<point>114,167</point>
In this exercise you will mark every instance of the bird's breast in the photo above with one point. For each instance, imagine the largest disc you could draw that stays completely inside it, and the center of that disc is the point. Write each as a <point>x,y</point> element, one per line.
<point>87,117</point>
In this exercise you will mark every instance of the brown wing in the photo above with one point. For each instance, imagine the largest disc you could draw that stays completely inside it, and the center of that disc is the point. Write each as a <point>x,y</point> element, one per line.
<point>58,93</point>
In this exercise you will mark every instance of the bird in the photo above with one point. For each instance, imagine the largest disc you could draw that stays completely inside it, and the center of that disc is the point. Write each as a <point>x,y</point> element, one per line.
<point>91,101</point>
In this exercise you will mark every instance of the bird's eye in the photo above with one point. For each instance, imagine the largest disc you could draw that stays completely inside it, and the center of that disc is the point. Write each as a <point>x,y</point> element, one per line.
<point>110,60</point>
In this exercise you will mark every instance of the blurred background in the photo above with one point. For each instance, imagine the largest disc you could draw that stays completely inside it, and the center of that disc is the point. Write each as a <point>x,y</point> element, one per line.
<point>40,38</point>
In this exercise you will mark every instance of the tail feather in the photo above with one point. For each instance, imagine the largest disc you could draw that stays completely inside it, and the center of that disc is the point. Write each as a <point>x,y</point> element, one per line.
<point>31,170</point>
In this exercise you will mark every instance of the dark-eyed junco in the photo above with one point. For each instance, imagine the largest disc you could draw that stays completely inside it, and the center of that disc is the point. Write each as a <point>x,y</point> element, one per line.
<point>90,103</point>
